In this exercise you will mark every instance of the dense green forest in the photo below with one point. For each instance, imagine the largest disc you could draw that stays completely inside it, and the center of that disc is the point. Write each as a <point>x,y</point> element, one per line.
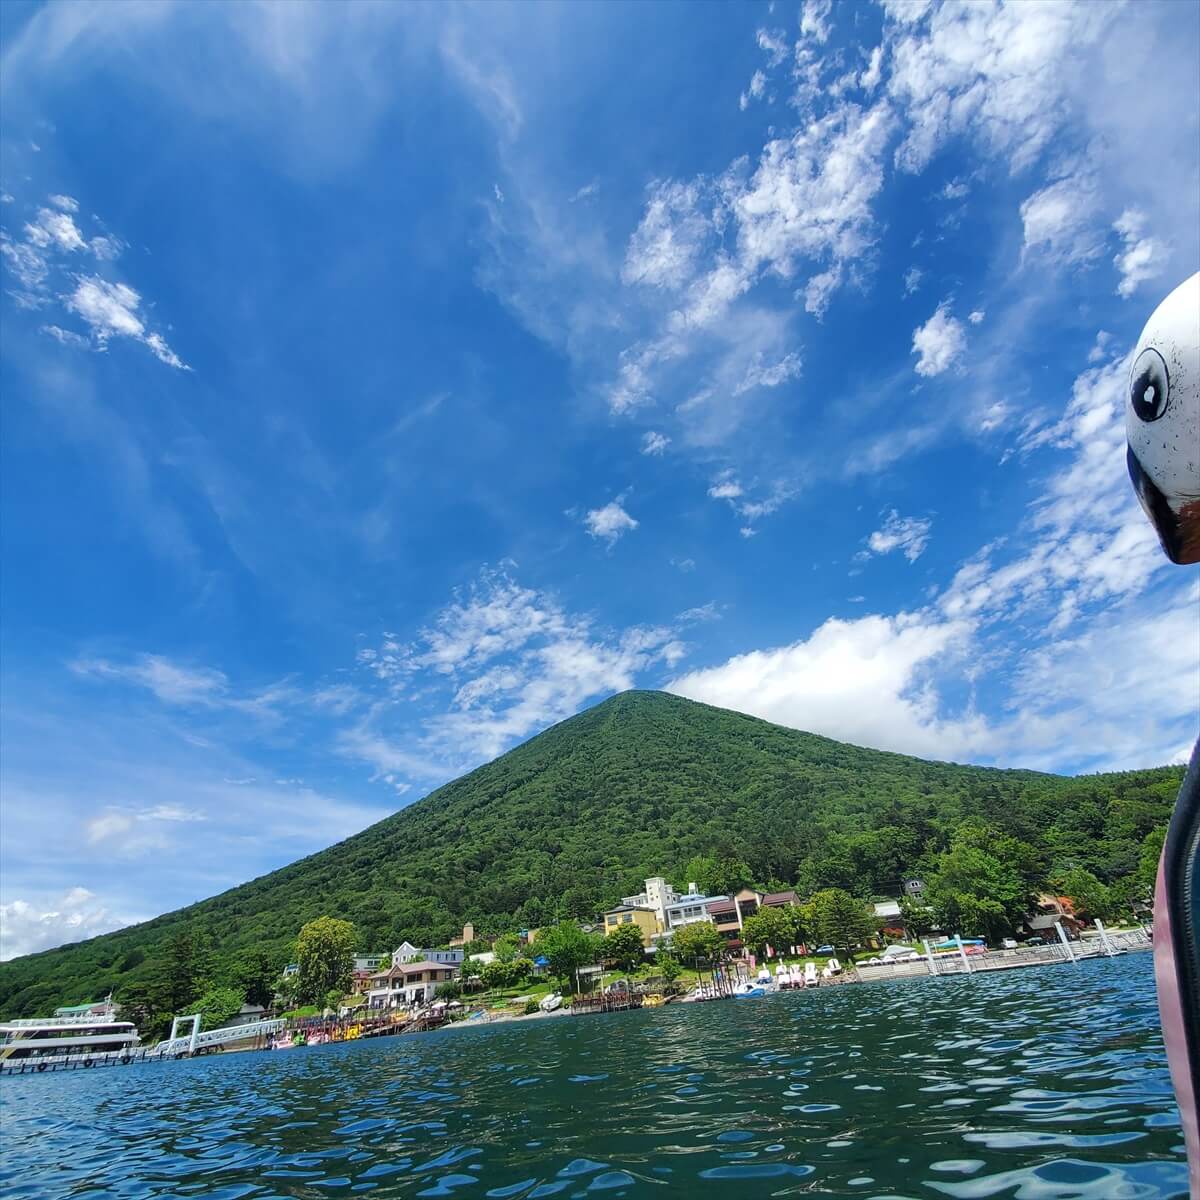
<point>643,784</point>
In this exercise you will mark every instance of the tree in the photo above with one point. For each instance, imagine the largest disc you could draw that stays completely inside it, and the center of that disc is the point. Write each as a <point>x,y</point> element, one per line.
<point>506,947</point>
<point>254,974</point>
<point>333,999</point>
<point>701,941</point>
<point>1089,897</point>
<point>325,954</point>
<point>972,892</point>
<point>184,972</point>
<point>624,947</point>
<point>667,966</point>
<point>917,916</point>
<point>216,1006</point>
<point>767,927</point>
<point>841,920</point>
<point>580,903</point>
<point>568,948</point>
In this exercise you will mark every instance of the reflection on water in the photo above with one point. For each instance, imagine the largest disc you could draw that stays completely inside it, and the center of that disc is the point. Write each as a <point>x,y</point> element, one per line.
<point>1032,1084</point>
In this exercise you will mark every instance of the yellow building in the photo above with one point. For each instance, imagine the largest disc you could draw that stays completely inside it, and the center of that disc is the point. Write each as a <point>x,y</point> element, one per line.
<point>646,919</point>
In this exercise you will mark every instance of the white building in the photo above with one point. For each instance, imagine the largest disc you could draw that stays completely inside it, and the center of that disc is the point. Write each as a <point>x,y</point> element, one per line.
<point>407,953</point>
<point>672,908</point>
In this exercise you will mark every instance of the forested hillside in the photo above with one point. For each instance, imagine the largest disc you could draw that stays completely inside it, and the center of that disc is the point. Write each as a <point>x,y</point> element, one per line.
<point>640,785</point>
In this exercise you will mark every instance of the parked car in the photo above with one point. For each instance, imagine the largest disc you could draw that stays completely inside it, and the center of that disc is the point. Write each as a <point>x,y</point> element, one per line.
<point>823,950</point>
<point>1009,943</point>
<point>1035,941</point>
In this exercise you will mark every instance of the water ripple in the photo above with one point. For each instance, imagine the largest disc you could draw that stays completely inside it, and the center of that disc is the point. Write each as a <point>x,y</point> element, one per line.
<point>1029,1085</point>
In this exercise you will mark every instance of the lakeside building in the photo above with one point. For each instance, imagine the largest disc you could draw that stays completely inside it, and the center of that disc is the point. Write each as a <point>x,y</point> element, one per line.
<point>103,1010</point>
<point>730,914</point>
<point>408,983</point>
<point>1052,910</point>
<point>671,908</point>
<point>407,952</point>
<point>646,919</point>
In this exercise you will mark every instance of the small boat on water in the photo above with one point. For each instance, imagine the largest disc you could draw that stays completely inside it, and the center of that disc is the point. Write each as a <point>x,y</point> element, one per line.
<point>749,989</point>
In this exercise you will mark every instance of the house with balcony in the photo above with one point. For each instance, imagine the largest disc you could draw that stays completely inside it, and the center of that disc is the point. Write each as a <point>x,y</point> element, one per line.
<point>408,984</point>
<point>729,914</point>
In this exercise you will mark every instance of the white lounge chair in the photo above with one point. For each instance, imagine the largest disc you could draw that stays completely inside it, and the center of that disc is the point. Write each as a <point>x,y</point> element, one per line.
<point>796,977</point>
<point>810,975</point>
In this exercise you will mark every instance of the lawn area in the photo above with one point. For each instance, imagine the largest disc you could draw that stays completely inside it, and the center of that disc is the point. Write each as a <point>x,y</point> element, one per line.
<point>501,998</point>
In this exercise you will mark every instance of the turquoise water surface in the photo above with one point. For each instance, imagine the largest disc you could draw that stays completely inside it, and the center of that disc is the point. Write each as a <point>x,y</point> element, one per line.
<point>1032,1084</point>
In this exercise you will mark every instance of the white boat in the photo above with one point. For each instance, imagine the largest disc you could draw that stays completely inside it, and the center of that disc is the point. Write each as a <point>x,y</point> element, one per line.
<point>810,975</point>
<point>796,978</point>
<point>87,1033</point>
<point>551,1002</point>
<point>747,989</point>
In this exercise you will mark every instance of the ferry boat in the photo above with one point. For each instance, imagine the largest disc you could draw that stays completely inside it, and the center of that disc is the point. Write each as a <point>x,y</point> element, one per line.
<point>84,1032</point>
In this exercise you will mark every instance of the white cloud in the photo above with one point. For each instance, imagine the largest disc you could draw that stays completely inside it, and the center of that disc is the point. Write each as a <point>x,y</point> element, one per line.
<point>814,20</point>
<point>1142,258</point>
<point>770,375</point>
<point>1068,617</point>
<point>702,613</point>
<point>55,229</point>
<point>66,336</point>
<point>516,661</point>
<point>110,309</point>
<point>811,194</point>
<point>869,79</point>
<point>28,264</point>
<point>860,681</point>
<point>610,522</point>
<point>1000,71</point>
<point>774,44</point>
<point>106,247</point>
<point>120,826</point>
<point>667,244</point>
<point>726,489</point>
<point>498,193</point>
<point>654,443</point>
<point>26,927</point>
<point>956,189</point>
<point>912,280</point>
<point>976,316</point>
<point>169,681</point>
<point>1060,221</point>
<point>683,564</point>
<point>49,254</point>
<point>939,343</point>
<point>910,535</point>
<point>756,90</point>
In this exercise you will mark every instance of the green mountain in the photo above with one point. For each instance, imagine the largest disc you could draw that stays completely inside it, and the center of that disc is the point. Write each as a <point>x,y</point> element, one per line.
<point>579,815</point>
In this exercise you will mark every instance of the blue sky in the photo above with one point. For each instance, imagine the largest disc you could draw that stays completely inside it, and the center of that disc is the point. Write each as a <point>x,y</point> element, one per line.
<point>383,383</point>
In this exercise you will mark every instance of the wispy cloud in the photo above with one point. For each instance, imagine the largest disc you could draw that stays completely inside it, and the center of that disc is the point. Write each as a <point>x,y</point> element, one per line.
<point>45,264</point>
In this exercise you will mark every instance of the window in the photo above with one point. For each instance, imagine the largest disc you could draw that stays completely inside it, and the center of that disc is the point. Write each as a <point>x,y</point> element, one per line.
<point>627,918</point>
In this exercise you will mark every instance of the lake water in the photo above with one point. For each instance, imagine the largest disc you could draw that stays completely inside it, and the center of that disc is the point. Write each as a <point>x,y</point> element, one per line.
<point>1031,1084</point>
